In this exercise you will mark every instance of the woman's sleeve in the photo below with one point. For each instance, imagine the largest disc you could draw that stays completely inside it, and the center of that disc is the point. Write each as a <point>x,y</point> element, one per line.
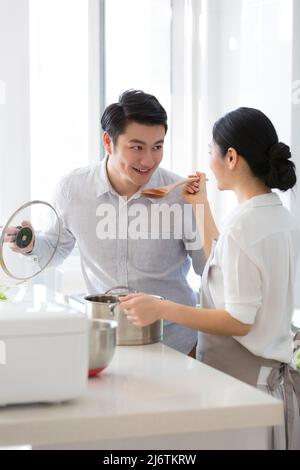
<point>242,282</point>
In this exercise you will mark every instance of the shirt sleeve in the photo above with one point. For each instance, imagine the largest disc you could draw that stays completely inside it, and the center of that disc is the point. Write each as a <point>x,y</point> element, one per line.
<point>242,282</point>
<point>45,242</point>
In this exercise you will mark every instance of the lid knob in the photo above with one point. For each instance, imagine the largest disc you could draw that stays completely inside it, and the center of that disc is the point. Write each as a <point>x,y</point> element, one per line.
<point>24,237</point>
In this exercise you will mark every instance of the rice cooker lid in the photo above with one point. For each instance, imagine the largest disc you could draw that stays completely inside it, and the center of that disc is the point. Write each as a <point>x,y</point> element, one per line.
<point>15,268</point>
<point>38,318</point>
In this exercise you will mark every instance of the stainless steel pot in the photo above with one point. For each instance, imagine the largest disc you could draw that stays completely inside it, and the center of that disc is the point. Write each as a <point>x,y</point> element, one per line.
<point>102,344</point>
<point>107,306</point>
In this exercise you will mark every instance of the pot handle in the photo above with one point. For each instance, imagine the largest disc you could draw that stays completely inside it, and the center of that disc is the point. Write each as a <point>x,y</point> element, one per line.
<point>132,291</point>
<point>112,308</point>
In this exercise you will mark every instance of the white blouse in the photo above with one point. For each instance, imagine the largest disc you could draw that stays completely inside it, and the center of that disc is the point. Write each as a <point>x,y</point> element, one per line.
<point>253,271</point>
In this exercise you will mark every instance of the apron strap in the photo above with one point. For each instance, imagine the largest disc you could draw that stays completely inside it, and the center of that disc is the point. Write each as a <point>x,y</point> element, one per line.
<point>291,384</point>
<point>295,372</point>
<point>207,299</point>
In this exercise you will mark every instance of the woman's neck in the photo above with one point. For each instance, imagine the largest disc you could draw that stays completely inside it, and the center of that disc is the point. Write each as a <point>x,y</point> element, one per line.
<point>250,189</point>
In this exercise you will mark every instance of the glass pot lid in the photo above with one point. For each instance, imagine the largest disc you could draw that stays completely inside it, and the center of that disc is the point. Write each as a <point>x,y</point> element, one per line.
<point>36,223</point>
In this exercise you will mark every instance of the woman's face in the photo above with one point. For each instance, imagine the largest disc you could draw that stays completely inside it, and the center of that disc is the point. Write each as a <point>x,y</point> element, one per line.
<point>218,166</point>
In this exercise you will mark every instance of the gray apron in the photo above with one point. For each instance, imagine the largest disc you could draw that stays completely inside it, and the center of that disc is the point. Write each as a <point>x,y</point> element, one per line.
<point>228,355</point>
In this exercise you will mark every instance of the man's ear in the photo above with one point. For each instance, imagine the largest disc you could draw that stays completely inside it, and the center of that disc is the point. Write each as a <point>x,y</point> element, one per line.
<point>107,142</point>
<point>232,158</point>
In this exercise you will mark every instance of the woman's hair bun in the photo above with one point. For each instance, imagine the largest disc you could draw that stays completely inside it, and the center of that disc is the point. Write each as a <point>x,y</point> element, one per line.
<point>281,174</point>
<point>279,151</point>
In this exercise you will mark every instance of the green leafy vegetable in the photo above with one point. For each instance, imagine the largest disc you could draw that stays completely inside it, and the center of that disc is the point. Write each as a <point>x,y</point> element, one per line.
<point>2,296</point>
<point>297,359</point>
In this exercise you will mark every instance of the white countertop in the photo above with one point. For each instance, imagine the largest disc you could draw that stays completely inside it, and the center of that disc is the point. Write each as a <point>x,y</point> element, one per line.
<point>146,391</point>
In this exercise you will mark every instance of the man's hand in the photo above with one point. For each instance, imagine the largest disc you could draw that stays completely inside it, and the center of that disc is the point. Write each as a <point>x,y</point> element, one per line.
<point>11,235</point>
<point>142,309</point>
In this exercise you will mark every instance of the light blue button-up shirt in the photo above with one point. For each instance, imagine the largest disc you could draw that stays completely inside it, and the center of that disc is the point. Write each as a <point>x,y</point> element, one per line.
<point>122,242</point>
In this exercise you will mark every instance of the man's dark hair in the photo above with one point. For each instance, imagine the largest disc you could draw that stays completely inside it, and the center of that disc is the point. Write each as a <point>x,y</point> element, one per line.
<point>133,106</point>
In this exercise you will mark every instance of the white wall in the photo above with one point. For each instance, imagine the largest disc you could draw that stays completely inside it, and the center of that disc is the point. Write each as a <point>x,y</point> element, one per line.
<point>14,106</point>
<point>295,201</point>
<point>246,60</point>
<point>249,54</point>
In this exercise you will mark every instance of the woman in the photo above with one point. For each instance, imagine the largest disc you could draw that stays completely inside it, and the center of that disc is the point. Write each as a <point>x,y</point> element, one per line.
<point>248,283</point>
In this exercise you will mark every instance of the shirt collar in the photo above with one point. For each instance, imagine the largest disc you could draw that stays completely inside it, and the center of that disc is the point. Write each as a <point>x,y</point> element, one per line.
<point>104,185</point>
<point>264,200</point>
<point>269,199</point>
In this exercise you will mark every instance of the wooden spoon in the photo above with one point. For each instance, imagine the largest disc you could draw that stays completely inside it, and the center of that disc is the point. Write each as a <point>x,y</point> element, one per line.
<point>164,190</point>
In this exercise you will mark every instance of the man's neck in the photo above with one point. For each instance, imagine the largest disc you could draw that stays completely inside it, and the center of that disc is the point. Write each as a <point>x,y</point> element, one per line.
<point>123,187</point>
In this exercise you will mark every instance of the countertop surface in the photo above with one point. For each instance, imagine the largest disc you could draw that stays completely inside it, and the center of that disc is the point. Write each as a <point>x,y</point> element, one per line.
<point>145,391</point>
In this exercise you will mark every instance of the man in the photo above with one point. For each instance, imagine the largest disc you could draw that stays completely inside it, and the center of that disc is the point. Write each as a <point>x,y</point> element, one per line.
<point>98,206</point>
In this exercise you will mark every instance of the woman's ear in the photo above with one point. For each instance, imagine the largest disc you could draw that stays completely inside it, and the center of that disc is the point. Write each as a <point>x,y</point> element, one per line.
<point>107,142</point>
<point>232,158</point>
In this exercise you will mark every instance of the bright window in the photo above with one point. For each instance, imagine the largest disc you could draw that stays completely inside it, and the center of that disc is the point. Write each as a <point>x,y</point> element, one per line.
<point>138,52</point>
<point>58,91</point>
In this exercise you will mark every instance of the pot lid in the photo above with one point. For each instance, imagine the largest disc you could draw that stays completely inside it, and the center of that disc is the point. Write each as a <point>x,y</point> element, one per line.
<point>25,227</point>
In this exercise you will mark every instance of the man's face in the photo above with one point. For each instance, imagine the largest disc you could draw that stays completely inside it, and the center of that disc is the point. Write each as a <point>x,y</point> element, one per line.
<point>137,152</point>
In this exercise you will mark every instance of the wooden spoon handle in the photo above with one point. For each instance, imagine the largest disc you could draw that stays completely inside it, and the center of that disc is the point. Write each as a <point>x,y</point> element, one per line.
<point>186,180</point>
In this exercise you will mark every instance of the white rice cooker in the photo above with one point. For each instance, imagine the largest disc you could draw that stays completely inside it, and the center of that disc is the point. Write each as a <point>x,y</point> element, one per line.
<point>43,345</point>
